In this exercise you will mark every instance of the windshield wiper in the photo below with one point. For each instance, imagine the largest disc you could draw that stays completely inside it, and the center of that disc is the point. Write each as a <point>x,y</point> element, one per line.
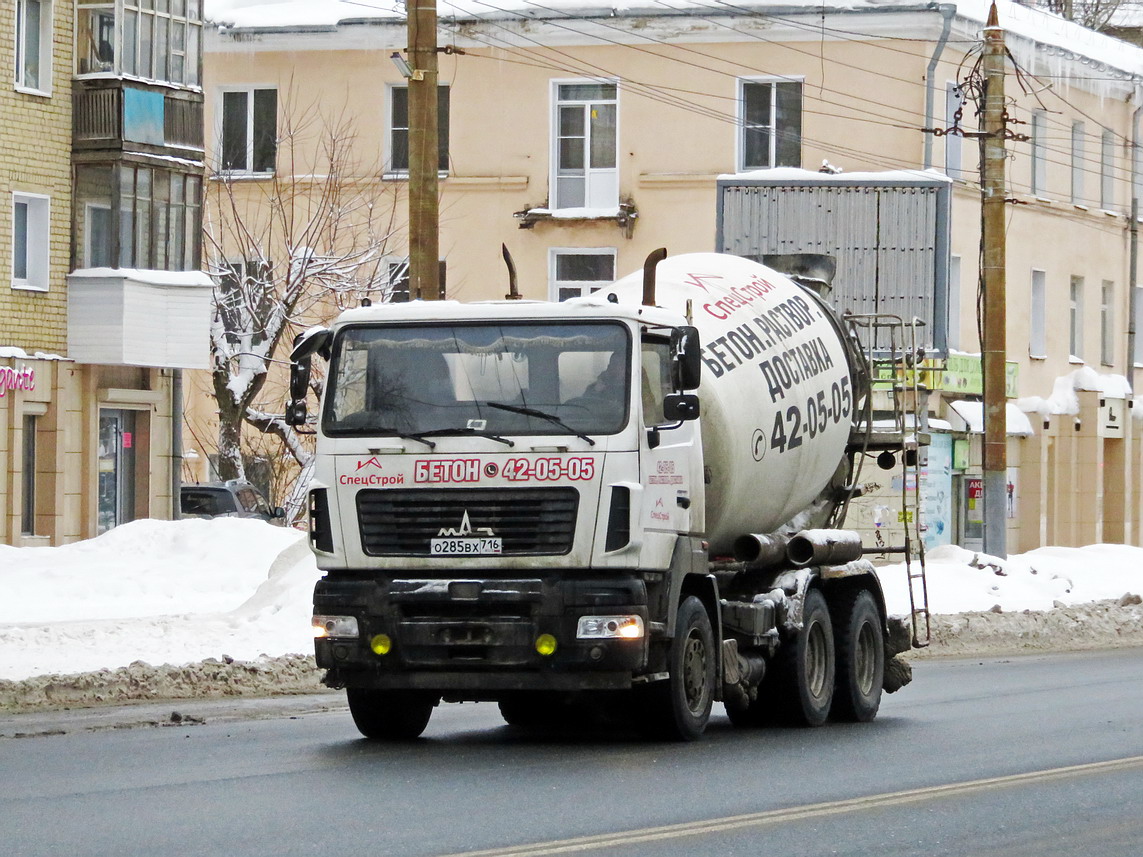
<point>541,415</point>
<point>460,430</point>
<point>417,436</point>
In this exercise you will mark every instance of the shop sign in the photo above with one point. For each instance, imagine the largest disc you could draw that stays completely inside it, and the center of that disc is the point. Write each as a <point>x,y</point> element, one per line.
<point>21,377</point>
<point>957,373</point>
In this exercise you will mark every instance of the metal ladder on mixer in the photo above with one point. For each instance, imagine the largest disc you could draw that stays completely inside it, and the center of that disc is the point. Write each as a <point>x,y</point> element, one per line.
<point>895,432</point>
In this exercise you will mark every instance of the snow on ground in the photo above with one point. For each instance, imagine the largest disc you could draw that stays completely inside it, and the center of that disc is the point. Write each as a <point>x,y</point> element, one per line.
<point>181,592</point>
<point>157,591</point>
<point>960,581</point>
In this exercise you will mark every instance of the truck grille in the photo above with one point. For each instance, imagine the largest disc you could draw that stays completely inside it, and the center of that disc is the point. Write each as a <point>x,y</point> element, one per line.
<point>402,522</point>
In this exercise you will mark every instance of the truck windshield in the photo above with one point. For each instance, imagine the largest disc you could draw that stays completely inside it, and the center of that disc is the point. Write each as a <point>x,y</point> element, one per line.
<point>548,379</point>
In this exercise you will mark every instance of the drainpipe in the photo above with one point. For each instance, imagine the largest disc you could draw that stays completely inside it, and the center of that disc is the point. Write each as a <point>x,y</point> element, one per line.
<point>176,443</point>
<point>1133,255</point>
<point>948,12</point>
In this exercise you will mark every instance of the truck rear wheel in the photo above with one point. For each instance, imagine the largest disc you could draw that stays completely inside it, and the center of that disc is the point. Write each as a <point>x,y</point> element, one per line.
<point>678,709</point>
<point>390,715</point>
<point>860,657</point>
<point>803,678</point>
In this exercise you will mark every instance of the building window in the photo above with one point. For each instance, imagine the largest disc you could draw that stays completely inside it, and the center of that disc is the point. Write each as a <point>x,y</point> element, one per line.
<point>1107,323</point>
<point>399,129</point>
<point>954,143</point>
<point>585,141</point>
<point>575,272</point>
<point>33,45</point>
<point>1107,171</point>
<point>156,224</point>
<point>28,477</point>
<point>1039,152</point>
<point>399,281</point>
<point>1037,338</point>
<point>1077,162</point>
<point>1075,319</point>
<point>770,115</point>
<point>30,239</point>
<point>249,130</point>
<point>157,39</point>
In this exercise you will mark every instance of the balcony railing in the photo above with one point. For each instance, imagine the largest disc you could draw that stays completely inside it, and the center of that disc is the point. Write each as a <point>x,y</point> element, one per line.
<point>113,115</point>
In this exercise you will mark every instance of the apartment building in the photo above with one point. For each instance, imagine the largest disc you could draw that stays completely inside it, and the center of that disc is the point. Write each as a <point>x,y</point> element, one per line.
<point>102,175</point>
<point>583,140</point>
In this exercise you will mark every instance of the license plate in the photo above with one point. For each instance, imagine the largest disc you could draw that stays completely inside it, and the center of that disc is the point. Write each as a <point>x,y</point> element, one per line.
<point>484,546</point>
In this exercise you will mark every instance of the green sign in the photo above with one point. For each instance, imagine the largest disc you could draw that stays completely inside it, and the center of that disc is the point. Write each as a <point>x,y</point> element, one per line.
<point>958,373</point>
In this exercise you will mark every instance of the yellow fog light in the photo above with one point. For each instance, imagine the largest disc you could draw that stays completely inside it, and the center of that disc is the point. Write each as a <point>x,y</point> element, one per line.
<point>546,644</point>
<point>381,644</point>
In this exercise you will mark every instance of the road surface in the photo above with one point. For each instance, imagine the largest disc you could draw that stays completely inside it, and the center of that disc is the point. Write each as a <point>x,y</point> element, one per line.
<point>1027,756</point>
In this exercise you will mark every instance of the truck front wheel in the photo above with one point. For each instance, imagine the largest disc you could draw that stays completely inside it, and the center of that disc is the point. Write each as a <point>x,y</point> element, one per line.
<point>679,708</point>
<point>390,715</point>
<point>860,657</point>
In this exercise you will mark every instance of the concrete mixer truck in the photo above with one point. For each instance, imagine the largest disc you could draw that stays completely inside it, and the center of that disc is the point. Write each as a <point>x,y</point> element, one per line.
<point>625,497</point>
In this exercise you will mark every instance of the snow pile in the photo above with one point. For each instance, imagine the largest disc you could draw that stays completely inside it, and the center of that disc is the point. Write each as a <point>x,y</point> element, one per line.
<point>158,591</point>
<point>961,581</point>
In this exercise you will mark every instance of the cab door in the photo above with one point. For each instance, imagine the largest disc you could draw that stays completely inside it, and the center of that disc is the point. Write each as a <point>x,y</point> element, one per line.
<point>670,457</point>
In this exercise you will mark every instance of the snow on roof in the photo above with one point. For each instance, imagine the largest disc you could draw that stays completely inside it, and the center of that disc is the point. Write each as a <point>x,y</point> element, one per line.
<point>1016,422</point>
<point>795,175</point>
<point>158,278</point>
<point>12,352</point>
<point>1029,24</point>
<point>1063,399</point>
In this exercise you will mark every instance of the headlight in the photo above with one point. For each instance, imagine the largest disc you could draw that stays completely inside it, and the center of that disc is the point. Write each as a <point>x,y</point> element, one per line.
<point>335,626</point>
<point>609,627</point>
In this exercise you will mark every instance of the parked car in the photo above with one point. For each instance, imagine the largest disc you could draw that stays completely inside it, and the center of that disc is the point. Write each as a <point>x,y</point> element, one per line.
<point>234,498</point>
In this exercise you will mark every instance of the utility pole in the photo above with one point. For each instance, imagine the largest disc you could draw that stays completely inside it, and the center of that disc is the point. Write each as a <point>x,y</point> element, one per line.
<point>424,213</point>
<point>994,346</point>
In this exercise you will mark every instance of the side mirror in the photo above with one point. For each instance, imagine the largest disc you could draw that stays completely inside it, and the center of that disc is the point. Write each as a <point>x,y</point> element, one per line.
<point>681,407</point>
<point>299,387</point>
<point>687,355</point>
<point>277,512</point>
<point>296,413</point>
<point>299,379</point>
<point>315,340</point>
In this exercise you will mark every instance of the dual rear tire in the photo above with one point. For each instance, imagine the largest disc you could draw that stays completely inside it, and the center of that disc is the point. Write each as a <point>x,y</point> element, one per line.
<point>833,667</point>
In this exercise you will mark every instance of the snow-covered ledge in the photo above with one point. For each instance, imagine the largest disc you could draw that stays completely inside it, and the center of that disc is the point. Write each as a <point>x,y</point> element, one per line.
<point>122,316</point>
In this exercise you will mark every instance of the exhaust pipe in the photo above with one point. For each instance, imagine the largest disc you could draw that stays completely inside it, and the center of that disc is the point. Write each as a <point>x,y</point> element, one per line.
<point>649,264</point>
<point>760,551</point>
<point>513,288</point>
<point>823,547</point>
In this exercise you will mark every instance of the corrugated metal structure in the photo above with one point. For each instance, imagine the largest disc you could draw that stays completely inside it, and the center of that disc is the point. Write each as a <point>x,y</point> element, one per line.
<point>889,233</point>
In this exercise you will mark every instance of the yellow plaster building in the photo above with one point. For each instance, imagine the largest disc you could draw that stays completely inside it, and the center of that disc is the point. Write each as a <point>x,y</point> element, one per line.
<point>585,140</point>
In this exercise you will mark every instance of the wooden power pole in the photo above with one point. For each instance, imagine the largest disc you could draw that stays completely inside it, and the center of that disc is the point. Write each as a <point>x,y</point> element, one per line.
<point>424,210</point>
<point>994,346</point>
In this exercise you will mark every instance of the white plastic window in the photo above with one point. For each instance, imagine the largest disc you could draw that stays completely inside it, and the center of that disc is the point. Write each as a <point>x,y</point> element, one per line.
<point>30,228</point>
<point>33,45</point>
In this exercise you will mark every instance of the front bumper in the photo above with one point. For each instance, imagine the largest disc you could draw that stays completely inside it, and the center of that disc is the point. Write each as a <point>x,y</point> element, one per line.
<point>480,636</point>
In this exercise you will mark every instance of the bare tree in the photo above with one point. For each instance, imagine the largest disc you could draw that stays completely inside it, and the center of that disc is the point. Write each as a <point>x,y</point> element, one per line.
<point>285,252</point>
<point>1093,14</point>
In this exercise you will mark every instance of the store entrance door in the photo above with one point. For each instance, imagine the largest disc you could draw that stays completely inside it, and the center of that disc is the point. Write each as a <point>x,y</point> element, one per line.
<point>116,468</point>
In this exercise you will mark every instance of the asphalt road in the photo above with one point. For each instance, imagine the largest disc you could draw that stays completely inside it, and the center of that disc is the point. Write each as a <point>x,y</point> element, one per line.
<point>1031,756</point>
